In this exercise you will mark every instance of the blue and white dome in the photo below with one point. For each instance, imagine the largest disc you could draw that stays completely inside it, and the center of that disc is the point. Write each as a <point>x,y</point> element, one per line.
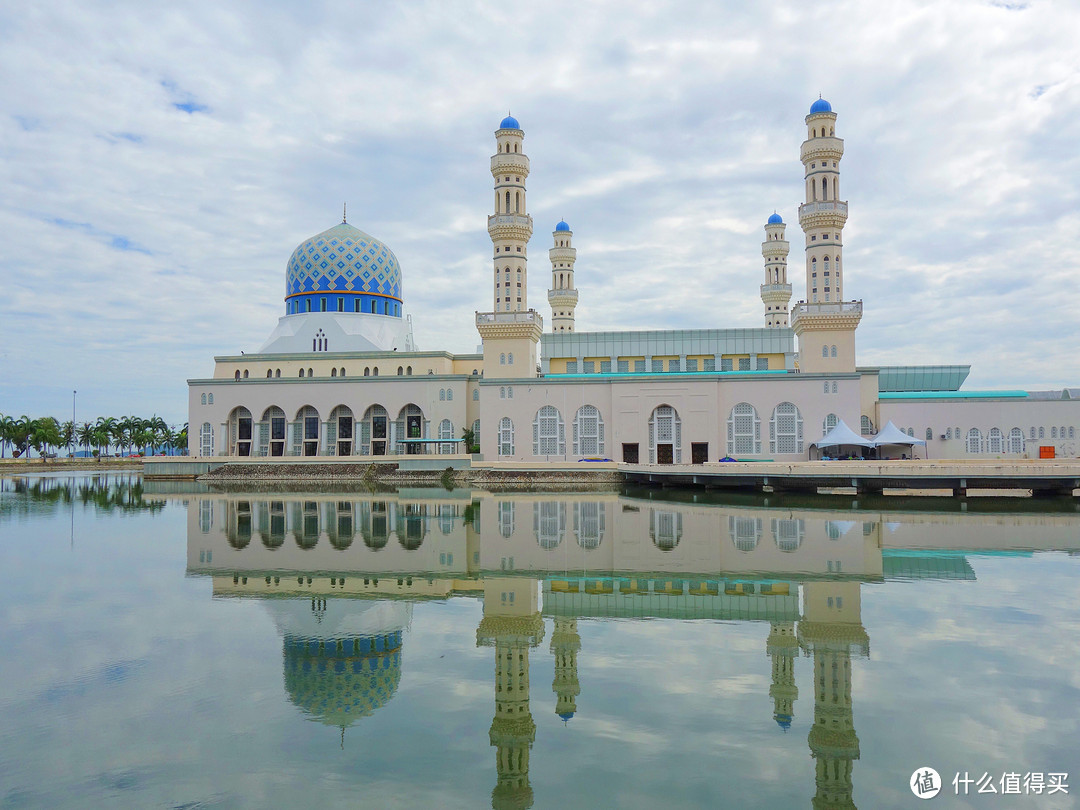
<point>343,269</point>
<point>509,123</point>
<point>776,219</point>
<point>562,226</point>
<point>820,106</point>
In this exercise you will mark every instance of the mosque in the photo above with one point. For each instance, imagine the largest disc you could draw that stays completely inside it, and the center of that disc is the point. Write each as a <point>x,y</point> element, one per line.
<point>341,375</point>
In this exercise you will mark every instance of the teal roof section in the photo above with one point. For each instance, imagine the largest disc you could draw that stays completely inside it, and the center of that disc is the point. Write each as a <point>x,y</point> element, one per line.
<point>955,395</point>
<point>621,375</point>
<point>668,342</point>
<point>921,378</point>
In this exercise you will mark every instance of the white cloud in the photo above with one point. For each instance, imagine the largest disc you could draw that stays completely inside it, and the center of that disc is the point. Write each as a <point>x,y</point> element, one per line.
<point>214,139</point>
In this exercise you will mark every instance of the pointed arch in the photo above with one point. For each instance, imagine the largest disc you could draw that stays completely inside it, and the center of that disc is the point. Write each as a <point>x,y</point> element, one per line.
<point>588,431</point>
<point>786,429</point>
<point>744,430</point>
<point>549,433</point>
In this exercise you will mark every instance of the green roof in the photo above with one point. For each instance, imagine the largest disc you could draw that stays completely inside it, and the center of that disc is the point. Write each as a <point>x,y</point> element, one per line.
<point>921,378</point>
<point>953,395</point>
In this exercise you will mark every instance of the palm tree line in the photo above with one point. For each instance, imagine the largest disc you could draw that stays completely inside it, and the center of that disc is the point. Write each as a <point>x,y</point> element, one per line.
<point>108,434</point>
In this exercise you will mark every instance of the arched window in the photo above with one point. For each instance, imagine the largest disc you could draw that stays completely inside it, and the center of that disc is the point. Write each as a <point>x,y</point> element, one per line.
<point>408,371</point>
<point>502,392</point>
<point>269,373</point>
<point>374,371</point>
<point>506,437</point>
<point>665,528</point>
<point>744,430</point>
<point>929,434</point>
<point>210,398</point>
<point>786,429</point>
<point>974,441</point>
<point>204,402</point>
<point>400,371</point>
<point>310,373</point>
<point>588,431</point>
<point>508,202</point>
<point>745,532</point>
<point>995,441</point>
<point>824,351</point>
<point>1053,432</point>
<point>828,423</point>
<point>832,352</point>
<point>333,372</point>
<point>506,514</point>
<point>277,372</point>
<point>237,375</point>
<point>1032,433</point>
<point>1042,430</point>
<point>1016,440</point>
<point>1072,433</point>
<point>301,374</point>
<point>476,431</point>
<point>446,431</point>
<point>341,373</point>
<point>549,523</point>
<point>665,436</point>
<point>510,359</point>
<point>442,395</point>
<point>549,435</point>
<point>834,388</point>
<point>502,359</point>
<point>476,395</point>
<point>206,439</point>
<point>824,188</point>
<point>788,533</point>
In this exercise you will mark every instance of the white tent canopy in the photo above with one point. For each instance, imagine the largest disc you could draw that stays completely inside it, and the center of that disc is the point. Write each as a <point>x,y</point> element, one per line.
<point>891,434</point>
<point>843,435</point>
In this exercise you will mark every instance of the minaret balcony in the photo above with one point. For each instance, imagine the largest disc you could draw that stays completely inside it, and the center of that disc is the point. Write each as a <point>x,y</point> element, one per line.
<point>811,208</point>
<point>830,148</point>
<point>784,289</point>
<point>509,162</point>
<point>570,297</point>
<point>510,221</point>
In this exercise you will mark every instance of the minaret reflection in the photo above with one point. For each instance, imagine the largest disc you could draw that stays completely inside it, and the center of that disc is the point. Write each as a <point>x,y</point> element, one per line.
<point>783,648</point>
<point>832,631</point>
<point>565,644</point>
<point>512,624</point>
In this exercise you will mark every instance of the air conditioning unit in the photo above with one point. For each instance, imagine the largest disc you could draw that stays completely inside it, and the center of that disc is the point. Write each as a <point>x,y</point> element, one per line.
<point>942,437</point>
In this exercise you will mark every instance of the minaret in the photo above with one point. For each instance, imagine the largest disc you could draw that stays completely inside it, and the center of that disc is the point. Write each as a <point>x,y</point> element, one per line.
<point>562,296</point>
<point>511,226</point>
<point>824,323</point>
<point>775,292</point>
<point>511,331</point>
<point>783,648</point>
<point>565,644</point>
<point>512,624</point>
<point>832,632</point>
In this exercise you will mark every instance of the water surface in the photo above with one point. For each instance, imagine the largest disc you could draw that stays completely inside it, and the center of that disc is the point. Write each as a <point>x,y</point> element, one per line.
<point>473,649</point>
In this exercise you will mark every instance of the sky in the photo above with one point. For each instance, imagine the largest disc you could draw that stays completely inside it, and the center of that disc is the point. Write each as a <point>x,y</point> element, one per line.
<point>158,165</point>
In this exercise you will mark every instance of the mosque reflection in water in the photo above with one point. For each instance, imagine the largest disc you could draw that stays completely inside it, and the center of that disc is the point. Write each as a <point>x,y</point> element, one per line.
<point>360,562</point>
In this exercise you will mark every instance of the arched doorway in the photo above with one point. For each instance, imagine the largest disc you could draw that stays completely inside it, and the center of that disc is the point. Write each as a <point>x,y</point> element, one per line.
<point>341,423</point>
<point>665,436</point>
<point>240,429</point>
<point>273,421</point>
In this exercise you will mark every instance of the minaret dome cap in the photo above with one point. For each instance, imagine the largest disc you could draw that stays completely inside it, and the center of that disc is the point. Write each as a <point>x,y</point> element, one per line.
<point>509,123</point>
<point>562,226</point>
<point>776,219</point>
<point>820,106</point>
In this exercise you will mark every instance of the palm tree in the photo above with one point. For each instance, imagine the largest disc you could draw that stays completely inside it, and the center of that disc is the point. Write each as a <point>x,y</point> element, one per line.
<point>7,428</point>
<point>46,433</point>
<point>105,427</point>
<point>85,435</point>
<point>181,439</point>
<point>67,434</point>
<point>21,433</point>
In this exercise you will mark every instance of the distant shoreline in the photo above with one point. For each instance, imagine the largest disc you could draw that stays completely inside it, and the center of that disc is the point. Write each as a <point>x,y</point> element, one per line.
<point>18,466</point>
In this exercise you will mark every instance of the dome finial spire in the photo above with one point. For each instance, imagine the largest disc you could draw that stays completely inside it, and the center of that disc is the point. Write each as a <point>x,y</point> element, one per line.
<point>343,205</point>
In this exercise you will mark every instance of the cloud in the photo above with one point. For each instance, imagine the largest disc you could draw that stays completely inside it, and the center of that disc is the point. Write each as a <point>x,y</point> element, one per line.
<point>195,148</point>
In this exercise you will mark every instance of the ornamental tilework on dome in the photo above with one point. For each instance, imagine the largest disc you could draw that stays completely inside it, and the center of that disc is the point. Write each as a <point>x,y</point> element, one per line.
<point>339,680</point>
<point>343,259</point>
